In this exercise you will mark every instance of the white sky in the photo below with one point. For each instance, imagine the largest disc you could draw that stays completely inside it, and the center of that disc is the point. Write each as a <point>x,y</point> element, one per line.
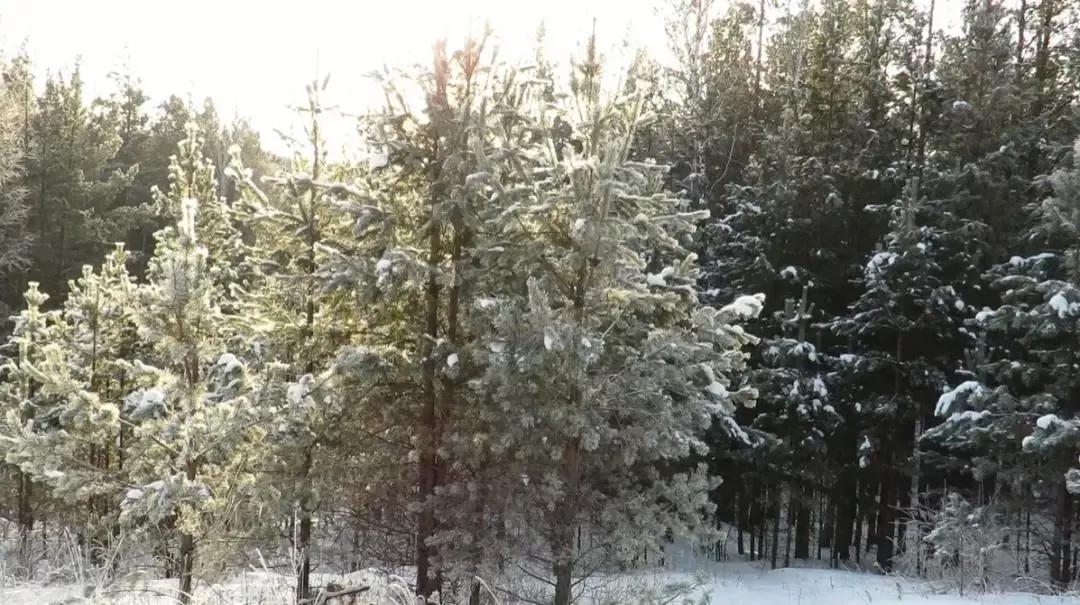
<point>254,57</point>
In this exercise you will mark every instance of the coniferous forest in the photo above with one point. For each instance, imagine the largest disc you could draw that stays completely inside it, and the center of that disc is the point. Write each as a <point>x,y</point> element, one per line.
<point>804,289</point>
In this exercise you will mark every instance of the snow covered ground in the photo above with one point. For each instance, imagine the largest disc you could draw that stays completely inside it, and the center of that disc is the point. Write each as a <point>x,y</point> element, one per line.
<point>745,584</point>
<point>721,584</point>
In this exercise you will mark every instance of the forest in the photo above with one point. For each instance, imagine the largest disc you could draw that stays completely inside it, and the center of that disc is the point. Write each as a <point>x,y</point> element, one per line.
<point>804,289</point>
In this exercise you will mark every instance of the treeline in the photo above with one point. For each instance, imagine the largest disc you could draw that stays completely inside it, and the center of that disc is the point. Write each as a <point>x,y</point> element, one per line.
<point>86,168</point>
<point>481,353</point>
<point>906,199</point>
<point>526,338</point>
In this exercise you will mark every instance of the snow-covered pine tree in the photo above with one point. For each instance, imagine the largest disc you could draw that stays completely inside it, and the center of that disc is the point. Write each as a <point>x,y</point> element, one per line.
<point>192,176</point>
<point>1025,386</point>
<point>22,395</point>
<point>14,240</point>
<point>794,405</point>
<point>599,368</point>
<point>409,258</point>
<point>966,537</point>
<point>298,328</point>
<point>193,415</point>
<point>74,441</point>
<point>904,317</point>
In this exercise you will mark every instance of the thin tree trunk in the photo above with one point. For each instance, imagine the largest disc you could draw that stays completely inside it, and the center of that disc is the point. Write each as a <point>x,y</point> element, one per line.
<point>790,522</point>
<point>429,412</point>
<point>886,524</point>
<point>753,532</point>
<point>303,537</point>
<point>763,525</point>
<point>860,515</point>
<point>1061,555</point>
<point>902,514</point>
<point>187,552</point>
<point>303,541</point>
<point>779,501</point>
<point>823,528</point>
<point>845,518</point>
<point>25,517</point>
<point>803,525</point>
<point>564,532</point>
<point>740,520</point>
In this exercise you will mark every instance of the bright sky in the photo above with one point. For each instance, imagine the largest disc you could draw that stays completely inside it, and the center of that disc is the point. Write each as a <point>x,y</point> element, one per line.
<point>254,57</point>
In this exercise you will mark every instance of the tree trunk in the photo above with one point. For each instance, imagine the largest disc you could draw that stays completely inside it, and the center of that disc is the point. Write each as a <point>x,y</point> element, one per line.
<point>886,524</point>
<point>753,533</point>
<point>823,528</point>
<point>860,515</point>
<point>763,525</point>
<point>303,545</point>
<point>1060,548</point>
<point>1066,540</point>
<point>778,499</point>
<point>740,520</point>
<point>802,525</point>
<point>845,519</point>
<point>303,537</point>
<point>429,412</point>
<point>902,518</point>
<point>1027,539</point>
<point>25,518</point>
<point>566,523</point>
<point>187,566</point>
<point>789,525</point>
<point>187,553</point>
<point>826,522</point>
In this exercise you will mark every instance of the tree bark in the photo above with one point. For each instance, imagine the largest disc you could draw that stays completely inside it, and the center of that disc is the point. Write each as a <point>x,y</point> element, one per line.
<point>187,552</point>
<point>429,410</point>
<point>303,537</point>
<point>564,531</point>
<point>740,520</point>
<point>886,524</point>
<point>802,525</point>
<point>844,497</point>
<point>303,543</point>
<point>778,502</point>
<point>1061,547</point>
<point>25,517</point>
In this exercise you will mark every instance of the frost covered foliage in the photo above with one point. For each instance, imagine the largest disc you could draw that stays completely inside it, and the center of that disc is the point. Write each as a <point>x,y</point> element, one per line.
<point>794,404</point>
<point>21,395</point>
<point>566,367</point>
<point>594,365</point>
<point>70,439</point>
<point>964,540</point>
<point>1014,413</point>
<point>128,399</point>
<point>295,329</point>
<point>14,238</point>
<point>904,317</point>
<point>192,445</point>
<point>201,217</point>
